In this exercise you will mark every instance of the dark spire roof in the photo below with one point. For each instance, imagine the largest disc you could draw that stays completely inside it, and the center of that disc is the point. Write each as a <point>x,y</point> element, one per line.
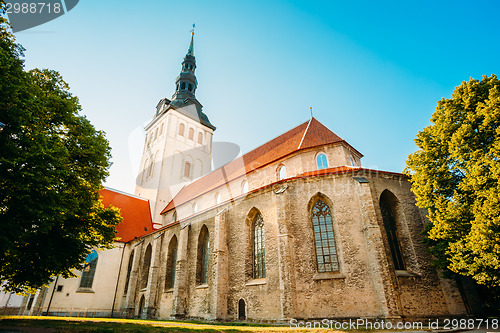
<point>191,46</point>
<point>184,99</point>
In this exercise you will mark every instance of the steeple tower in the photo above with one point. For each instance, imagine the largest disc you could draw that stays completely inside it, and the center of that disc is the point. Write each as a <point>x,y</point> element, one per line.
<point>186,82</point>
<point>178,145</point>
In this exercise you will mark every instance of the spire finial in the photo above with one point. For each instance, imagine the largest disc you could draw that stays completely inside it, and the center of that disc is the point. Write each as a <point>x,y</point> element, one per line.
<point>311,109</point>
<point>191,46</point>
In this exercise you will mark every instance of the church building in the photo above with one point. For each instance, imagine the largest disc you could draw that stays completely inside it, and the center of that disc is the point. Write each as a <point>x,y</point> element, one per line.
<point>296,228</point>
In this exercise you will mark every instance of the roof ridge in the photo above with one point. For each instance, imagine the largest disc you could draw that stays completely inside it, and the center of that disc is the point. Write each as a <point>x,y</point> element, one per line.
<point>311,134</point>
<point>303,136</point>
<point>125,193</point>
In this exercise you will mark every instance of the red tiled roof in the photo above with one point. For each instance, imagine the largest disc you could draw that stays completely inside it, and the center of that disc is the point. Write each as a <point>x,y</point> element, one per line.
<point>307,135</point>
<point>135,212</point>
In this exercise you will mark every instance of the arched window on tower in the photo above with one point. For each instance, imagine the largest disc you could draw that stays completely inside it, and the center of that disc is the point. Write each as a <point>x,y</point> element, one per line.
<point>388,208</point>
<point>203,256</point>
<point>171,263</point>
<point>324,238</point>
<point>145,171</point>
<point>181,129</point>
<point>151,167</point>
<point>321,161</point>
<point>259,250</point>
<point>183,85</point>
<point>190,87</point>
<point>191,134</point>
<point>187,169</point>
<point>89,270</point>
<point>145,267</point>
<point>200,138</point>
<point>244,187</point>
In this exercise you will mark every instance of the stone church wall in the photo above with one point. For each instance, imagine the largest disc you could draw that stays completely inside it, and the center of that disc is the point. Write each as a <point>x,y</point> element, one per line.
<point>365,286</point>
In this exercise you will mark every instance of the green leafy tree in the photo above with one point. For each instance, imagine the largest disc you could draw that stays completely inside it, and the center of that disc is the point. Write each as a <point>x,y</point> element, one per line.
<point>52,164</point>
<point>455,175</point>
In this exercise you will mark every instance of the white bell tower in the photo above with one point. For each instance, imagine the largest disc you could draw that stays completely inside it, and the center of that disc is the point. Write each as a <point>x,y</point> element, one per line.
<point>178,145</point>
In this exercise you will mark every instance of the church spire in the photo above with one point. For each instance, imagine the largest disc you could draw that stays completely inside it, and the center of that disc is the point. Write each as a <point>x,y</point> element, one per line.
<point>186,82</point>
<point>184,97</point>
<point>191,46</point>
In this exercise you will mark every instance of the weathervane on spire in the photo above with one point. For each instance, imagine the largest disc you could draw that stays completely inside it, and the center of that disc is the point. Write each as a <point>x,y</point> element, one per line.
<point>192,30</point>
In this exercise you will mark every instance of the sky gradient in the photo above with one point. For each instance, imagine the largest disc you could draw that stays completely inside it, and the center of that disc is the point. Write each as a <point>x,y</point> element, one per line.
<point>372,71</point>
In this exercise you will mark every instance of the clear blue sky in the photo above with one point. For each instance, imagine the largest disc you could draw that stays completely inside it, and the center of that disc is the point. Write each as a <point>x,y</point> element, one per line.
<point>371,70</point>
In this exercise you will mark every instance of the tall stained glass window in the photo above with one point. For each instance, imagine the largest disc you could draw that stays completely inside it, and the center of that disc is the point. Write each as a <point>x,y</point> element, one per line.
<point>326,252</point>
<point>259,250</point>
<point>89,270</point>
<point>203,256</point>
<point>171,263</point>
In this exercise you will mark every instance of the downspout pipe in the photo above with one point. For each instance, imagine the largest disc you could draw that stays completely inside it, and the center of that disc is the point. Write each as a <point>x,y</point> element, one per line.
<point>52,295</point>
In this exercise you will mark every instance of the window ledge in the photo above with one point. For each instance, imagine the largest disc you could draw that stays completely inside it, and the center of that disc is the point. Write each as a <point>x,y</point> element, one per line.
<point>85,290</point>
<point>202,286</point>
<point>256,282</point>
<point>170,290</point>
<point>405,273</point>
<point>328,276</point>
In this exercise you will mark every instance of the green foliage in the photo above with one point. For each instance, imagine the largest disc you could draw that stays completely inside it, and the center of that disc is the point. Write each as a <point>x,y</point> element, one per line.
<point>455,175</point>
<point>52,164</point>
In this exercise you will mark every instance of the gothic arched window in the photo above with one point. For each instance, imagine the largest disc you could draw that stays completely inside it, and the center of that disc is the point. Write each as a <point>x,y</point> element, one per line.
<point>183,85</point>
<point>321,161</point>
<point>89,270</point>
<point>181,129</point>
<point>171,263</point>
<point>145,267</point>
<point>388,203</point>
<point>203,256</point>
<point>191,134</point>
<point>129,270</point>
<point>200,138</point>
<point>324,238</point>
<point>259,249</point>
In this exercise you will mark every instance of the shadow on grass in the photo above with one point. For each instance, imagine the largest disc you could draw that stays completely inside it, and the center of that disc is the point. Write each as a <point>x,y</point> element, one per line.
<point>61,326</point>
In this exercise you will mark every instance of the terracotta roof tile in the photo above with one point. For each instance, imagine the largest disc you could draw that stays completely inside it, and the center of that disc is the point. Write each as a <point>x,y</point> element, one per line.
<point>135,212</point>
<point>307,135</point>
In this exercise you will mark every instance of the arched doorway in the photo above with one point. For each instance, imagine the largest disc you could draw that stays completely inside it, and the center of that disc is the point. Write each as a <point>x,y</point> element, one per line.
<point>141,307</point>
<point>241,310</point>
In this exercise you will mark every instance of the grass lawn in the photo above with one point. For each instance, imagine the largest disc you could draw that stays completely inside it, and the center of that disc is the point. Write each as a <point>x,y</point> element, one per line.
<point>16,324</point>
